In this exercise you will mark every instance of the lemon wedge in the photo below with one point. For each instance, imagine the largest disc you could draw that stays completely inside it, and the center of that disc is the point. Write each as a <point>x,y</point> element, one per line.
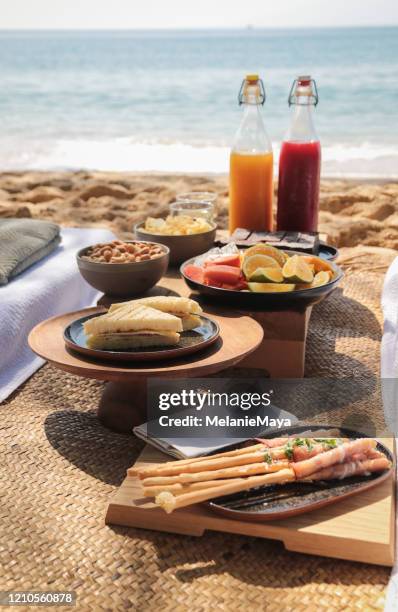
<point>267,275</point>
<point>252,263</point>
<point>270,287</point>
<point>320,279</point>
<point>266,249</point>
<point>296,270</point>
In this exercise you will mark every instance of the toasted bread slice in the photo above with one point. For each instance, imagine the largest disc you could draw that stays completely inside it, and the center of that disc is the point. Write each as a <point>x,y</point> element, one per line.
<point>190,322</point>
<point>178,306</point>
<point>133,340</point>
<point>133,318</point>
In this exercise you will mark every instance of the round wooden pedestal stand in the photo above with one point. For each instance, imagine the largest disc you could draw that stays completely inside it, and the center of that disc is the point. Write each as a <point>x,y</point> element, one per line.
<point>123,403</point>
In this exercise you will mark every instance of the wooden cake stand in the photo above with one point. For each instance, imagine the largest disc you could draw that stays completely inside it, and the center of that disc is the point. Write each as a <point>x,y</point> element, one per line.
<point>123,403</point>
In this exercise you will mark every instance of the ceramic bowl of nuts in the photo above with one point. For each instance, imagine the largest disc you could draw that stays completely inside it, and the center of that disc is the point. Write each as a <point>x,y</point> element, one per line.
<point>123,268</point>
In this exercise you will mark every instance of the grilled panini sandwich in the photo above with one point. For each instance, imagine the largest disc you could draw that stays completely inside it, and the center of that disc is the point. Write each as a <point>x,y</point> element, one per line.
<point>186,309</point>
<point>134,326</point>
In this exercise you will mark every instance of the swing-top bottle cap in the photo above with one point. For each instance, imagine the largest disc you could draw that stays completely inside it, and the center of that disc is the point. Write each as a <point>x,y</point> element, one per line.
<point>304,81</point>
<point>252,90</point>
<point>303,91</point>
<point>252,78</point>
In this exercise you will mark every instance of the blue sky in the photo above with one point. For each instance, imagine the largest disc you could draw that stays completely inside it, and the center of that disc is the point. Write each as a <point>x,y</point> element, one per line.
<point>94,14</point>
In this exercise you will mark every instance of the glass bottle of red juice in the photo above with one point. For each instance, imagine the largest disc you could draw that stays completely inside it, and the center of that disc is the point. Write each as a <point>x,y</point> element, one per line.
<point>300,163</point>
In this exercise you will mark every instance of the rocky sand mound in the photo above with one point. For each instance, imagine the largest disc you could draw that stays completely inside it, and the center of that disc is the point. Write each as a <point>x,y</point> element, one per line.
<point>352,213</point>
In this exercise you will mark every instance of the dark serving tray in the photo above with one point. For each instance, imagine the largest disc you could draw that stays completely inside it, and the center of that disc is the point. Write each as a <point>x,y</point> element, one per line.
<point>282,501</point>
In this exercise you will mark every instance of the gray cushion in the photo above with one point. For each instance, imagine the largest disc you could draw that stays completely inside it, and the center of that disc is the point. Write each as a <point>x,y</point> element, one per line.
<point>23,242</point>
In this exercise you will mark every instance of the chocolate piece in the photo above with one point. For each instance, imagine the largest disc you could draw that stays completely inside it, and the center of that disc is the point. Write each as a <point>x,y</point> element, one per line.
<point>307,242</point>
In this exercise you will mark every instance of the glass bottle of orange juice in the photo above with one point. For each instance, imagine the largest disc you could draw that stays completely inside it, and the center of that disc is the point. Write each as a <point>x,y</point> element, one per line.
<point>251,164</point>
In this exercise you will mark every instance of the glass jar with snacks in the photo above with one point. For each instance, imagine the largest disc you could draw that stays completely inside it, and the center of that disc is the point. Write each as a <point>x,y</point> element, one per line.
<point>178,225</point>
<point>195,209</point>
<point>197,196</point>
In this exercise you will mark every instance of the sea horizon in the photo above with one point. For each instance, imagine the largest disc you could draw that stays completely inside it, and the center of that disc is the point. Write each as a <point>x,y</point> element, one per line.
<point>166,100</point>
<point>207,29</point>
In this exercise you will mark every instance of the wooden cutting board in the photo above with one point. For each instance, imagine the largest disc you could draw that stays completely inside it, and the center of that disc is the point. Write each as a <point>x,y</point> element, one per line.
<point>359,528</point>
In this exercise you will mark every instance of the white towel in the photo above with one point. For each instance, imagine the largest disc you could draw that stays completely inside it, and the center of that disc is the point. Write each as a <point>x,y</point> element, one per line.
<point>389,370</point>
<point>52,286</point>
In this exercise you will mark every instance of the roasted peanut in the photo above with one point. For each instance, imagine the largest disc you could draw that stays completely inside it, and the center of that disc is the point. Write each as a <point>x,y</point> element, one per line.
<point>123,252</point>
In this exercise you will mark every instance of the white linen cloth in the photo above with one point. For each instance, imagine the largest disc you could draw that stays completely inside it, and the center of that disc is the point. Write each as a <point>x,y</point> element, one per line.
<point>389,370</point>
<point>50,287</point>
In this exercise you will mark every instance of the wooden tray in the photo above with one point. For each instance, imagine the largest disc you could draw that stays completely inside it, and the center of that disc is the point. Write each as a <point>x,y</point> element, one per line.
<point>359,528</point>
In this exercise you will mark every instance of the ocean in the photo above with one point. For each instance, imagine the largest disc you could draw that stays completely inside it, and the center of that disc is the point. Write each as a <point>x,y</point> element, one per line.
<point>167,100</point>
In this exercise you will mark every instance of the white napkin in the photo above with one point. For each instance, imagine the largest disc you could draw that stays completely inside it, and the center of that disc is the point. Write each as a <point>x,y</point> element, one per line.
<point>389,369</point>
<point>183,448</point>
<point>50,287</point>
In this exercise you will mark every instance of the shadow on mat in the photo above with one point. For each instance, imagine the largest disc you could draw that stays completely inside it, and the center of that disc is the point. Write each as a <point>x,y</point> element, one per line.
<point>81,439</point>
<point>222,554</point>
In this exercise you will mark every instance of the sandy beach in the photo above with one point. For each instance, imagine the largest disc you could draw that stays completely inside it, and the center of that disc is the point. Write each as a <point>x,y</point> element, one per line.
<point>351,213</point>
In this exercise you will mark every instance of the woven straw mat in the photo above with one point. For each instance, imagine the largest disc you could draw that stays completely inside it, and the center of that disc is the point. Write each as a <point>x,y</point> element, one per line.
<point>59,468</point>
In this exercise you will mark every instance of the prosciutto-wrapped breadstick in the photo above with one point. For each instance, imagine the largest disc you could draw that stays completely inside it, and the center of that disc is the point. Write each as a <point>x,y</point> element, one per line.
<point>278,449</point>
<point>300,453</point>
<point>353,468</point>
<point>336,455</point>
<point>273,442</point>
<point>230,472</point>
<point>170,502</point>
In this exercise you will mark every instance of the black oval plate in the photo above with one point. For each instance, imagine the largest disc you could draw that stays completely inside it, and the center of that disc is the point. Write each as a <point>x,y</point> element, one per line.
<point>327,251</point>
<point>300,298</point>
<point>190,342</point>
<point>282,501</point>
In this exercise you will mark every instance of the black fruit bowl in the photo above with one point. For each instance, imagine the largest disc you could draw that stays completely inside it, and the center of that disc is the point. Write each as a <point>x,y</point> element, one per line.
<point>298,299</point>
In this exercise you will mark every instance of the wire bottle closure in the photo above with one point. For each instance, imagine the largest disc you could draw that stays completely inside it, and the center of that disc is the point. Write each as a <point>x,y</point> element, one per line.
<point>303,92</point>
<point>252,87</point>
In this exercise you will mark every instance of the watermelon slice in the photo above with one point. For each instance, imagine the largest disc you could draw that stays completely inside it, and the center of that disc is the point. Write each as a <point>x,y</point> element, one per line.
<point>195,273</point>
<point>242,284</point>
<point>225,260</point>
<point>220,275</point>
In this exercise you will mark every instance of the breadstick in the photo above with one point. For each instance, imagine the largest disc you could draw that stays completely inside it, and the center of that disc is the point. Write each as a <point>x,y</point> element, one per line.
<point>174,466</point>
<point>209,464</point>
<point>170,502</point>
<point>178,489</point>
<point>230,472</point>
